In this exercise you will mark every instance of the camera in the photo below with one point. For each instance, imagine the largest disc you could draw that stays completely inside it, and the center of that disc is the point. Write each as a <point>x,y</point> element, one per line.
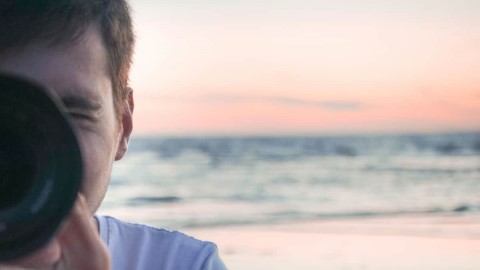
<point>40,166</point>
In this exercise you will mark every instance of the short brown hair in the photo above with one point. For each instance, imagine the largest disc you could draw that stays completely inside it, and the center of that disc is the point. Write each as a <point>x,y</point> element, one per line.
<point>60,21</point>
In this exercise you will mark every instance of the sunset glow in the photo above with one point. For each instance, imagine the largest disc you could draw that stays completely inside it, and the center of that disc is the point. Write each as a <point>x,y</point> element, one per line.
<point>306,67</point>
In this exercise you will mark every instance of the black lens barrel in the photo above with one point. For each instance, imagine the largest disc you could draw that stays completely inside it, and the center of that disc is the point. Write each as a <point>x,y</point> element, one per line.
<point>40,166</point>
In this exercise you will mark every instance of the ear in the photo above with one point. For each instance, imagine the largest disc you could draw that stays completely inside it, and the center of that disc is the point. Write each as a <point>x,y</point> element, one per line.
<point>126,123</point>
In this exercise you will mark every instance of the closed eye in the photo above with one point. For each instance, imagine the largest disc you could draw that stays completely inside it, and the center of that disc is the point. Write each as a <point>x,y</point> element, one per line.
<point>80,116</point>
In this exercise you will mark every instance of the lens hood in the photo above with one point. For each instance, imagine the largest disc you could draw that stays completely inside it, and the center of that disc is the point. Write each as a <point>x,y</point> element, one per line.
<point>40,166</point>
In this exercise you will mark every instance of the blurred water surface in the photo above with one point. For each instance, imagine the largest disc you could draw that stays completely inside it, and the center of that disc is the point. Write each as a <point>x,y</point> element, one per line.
<point>192,182</point>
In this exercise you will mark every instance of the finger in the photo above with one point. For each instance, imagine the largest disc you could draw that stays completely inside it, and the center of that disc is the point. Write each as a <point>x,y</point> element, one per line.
<point>80,242</point>
<point>46,256</point>
<point>6,267</point>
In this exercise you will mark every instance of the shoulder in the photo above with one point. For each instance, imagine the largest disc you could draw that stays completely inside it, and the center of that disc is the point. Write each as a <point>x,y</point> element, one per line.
<point>112,229</point>
<point>136,246</point>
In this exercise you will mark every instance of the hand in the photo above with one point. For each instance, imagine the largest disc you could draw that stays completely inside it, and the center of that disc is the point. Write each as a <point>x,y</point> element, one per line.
<point>76,247</point>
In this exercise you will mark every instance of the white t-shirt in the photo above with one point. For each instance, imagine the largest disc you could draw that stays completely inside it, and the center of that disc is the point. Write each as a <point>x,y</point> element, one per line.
<point>140,247</point>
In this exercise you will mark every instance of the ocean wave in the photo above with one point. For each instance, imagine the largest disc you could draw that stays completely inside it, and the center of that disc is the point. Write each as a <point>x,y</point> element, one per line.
<point>153,200</point>
<point>221,181</point>
<point>298,216</point>
<point>225,149</point>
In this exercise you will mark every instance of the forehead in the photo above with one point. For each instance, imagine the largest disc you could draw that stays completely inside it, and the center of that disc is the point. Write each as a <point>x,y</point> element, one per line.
<point>72,69</point>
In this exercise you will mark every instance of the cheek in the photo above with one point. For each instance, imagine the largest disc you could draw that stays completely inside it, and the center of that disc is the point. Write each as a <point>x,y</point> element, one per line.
<point>98,153</point>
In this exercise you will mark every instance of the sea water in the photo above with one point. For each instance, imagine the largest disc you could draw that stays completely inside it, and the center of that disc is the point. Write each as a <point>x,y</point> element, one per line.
<point>214,181</point>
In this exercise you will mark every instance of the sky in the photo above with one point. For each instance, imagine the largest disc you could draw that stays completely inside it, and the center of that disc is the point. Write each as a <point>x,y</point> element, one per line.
<point>303,67</point>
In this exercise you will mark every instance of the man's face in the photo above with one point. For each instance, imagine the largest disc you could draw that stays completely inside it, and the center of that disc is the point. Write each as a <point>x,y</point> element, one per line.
<point>78,74</point>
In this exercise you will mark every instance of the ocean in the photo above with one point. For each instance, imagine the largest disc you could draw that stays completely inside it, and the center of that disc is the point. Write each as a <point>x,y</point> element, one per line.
<point>187,182</point>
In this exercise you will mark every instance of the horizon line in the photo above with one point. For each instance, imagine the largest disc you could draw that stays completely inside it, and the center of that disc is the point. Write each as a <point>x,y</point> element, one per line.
<point>302,134</point>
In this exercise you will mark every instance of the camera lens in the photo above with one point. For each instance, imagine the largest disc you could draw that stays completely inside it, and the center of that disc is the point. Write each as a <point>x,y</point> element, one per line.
<point>17,169</point>
<point>40,166</point>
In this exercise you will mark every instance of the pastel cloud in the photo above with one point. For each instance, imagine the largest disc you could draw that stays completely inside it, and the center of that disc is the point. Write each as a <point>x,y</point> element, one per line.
<point>331,105</point>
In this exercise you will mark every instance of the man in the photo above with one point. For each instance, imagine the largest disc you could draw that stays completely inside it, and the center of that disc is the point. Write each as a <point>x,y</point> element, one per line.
<point>81,50</point>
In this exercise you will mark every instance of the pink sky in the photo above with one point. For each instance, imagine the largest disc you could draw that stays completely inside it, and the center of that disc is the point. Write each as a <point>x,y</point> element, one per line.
<point>306,67</point>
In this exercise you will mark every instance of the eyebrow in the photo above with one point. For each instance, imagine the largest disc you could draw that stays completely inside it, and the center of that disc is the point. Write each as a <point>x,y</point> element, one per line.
<point>75,102</point>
